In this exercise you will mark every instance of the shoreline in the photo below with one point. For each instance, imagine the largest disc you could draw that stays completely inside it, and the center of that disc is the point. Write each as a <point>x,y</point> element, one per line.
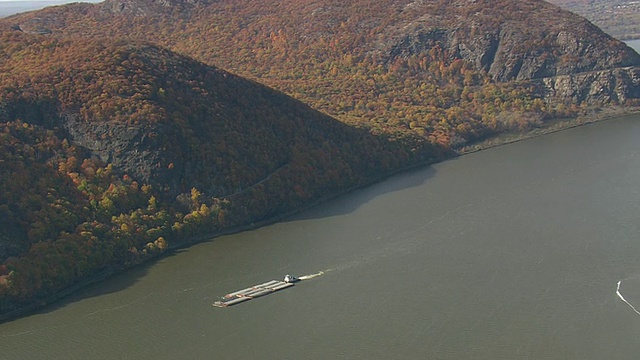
<point>494,141</point>
<point>554,126</point>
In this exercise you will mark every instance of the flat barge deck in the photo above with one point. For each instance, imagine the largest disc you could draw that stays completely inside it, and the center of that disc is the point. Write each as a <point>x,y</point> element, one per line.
<point>253,292</point>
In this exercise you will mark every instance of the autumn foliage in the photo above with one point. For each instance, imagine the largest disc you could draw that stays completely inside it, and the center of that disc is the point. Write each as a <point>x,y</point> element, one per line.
<point>77,199</point>
<point>121,136</point>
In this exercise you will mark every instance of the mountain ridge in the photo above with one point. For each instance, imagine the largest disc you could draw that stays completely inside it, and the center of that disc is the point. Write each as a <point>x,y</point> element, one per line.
<point>146,123</point>
<point>438,23</point>
<point>305,49</point>
<point>114,151</point>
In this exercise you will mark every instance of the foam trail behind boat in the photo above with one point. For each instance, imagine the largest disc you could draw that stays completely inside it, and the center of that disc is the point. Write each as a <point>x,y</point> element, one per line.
<point>311,276</point>
<point>623,299</point>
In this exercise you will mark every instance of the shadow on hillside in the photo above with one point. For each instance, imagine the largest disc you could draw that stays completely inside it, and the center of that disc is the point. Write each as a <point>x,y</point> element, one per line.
<point>340,205</point>
<point>111,284</point>
<point>350,202</point>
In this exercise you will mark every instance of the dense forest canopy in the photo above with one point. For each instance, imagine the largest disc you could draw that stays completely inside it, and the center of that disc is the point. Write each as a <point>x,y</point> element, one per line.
<point>435,69</point>
<point>111,151</point>
<point>122,135</point>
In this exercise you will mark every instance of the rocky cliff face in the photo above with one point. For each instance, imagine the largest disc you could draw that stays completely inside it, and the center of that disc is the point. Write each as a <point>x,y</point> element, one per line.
<point>568,57</point>
<point>602,86</point>
<point>561,52</point>
<point>131,83</point>
<point>509,39</point>
<point>127,147</point>
<point>148,7</point>
<point>509,43</point>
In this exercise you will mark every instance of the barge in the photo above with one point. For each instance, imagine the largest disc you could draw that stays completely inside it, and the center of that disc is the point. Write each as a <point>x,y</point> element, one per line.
<point>255,291</point>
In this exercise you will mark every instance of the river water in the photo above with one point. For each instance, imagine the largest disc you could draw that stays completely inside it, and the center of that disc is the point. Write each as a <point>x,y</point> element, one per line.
<point>634,44</point>
<point>511,253</point>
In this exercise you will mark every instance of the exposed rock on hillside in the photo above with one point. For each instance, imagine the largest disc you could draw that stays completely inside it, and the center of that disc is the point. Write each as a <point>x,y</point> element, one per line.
<point>120,135</point>
<point>149,7</point>
<point>176,124</point>
<point>602,86</point>
<point>511,40</point>
<point>112,151</point>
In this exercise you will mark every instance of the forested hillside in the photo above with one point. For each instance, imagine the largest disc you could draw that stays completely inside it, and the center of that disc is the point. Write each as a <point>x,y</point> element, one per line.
<point>442,70</point>
<point>113,151</point>
<point>126,132</point>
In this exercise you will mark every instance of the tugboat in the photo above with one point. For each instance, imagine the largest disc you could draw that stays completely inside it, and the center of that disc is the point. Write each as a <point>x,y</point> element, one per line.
<point>290,279</point>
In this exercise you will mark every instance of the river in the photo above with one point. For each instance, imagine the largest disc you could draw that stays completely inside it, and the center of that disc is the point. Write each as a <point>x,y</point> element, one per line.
<point>510,253</point>
<point>634,44</point>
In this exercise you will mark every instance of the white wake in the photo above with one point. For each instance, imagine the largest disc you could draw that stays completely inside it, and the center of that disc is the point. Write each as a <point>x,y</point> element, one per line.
<point>625,300</point>
<point>311,276</point>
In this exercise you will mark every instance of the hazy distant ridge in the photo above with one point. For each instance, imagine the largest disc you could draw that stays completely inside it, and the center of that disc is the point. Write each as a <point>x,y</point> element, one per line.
<point>14,7</point>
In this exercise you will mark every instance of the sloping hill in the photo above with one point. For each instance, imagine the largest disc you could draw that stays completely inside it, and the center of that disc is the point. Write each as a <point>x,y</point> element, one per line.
<point>112,151</point>
<point>441,70</point>
<point>120,138</point>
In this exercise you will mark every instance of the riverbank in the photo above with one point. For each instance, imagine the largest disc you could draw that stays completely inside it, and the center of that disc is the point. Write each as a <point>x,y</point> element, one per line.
<point>549,127</point>
<point>499,140</point>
